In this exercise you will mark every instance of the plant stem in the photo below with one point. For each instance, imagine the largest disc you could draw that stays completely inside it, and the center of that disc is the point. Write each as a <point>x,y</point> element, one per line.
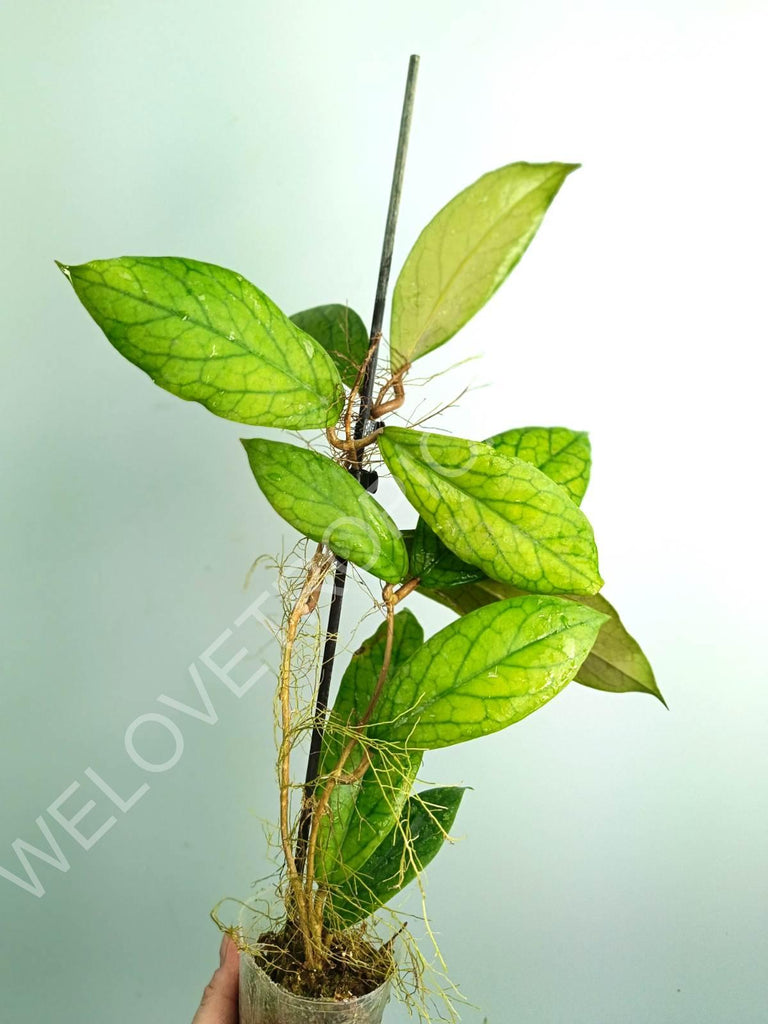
<point>321,707</point>
<point>304,605</point>
<point>385,264</point>
<point>366,395</point>
<point>338,772</point>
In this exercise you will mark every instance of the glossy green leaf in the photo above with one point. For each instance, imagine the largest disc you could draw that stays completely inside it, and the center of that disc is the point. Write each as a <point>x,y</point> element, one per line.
<point>464,598</point>
<point>325,503</point>
<point>561,454</point>
<point>465,253</point>
<point>363,812</point>
<point>616,663</point>
<point>426,820</point>
<point>342,334</point>
<point>207,335</point>
<point>502,515</point>
<point>435,564</point>
<point>485,671</point>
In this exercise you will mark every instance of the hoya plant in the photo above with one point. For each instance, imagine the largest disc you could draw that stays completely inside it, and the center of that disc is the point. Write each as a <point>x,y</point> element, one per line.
<point>496,534</point>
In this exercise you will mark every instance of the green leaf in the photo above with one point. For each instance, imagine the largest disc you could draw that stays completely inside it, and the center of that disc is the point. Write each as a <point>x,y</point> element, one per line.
<point>325,503</point>
<point>359,680</point>
<point>363,812</point>
<point>561,454</point>
<point>342,334</point>
<point>616,663</point>
<point>502,515</point>
<point>434,563</point>
<point>466,597</point>
<point>207,335</point>
<point>465,253</point>
<point>421,831</point>
<point>485,671</point>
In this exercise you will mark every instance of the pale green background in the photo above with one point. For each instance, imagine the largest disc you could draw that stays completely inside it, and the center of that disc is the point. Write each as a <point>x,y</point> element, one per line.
<point>614,865</point>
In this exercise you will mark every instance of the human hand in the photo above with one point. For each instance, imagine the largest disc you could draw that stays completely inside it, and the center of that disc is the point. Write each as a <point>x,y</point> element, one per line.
<point>219,1002</point>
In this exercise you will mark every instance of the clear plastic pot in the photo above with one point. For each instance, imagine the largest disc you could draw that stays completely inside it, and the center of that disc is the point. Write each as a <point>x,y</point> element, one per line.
<point>262,1001</point>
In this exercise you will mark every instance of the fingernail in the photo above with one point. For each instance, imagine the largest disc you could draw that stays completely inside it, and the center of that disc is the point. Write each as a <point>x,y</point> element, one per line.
<point>223,949</point>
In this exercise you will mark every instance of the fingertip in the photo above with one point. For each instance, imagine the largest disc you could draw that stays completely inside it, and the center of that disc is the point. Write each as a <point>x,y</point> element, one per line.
<point>229,954</point>
<point>219,1002</point>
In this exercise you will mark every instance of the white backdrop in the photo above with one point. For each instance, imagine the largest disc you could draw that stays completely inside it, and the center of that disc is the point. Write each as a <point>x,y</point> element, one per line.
<point>612,865</point>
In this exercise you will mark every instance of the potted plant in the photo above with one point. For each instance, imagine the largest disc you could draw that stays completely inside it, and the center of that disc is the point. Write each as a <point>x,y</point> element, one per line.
<point>500,539</point>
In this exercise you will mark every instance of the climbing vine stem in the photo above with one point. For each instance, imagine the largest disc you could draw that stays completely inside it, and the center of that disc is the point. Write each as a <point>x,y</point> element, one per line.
<point>366,387</point>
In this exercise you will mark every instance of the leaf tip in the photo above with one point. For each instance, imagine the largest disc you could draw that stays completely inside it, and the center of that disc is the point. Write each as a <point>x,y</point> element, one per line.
<point>248,444</point>
<point>65,269</point>
<point>595,585</point>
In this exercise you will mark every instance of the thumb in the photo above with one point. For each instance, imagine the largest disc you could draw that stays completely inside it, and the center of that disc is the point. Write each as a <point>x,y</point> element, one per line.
<point>219,1002</point>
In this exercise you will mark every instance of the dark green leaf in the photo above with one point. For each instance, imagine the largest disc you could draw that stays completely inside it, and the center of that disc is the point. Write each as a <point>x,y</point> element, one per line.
<point>362,813</point>
<point>561,454</point>
<point>502,515</point>
<point>207,335</point>
<point>420,833</point>
<point>466,597</point>
<point>485,671</point>
<point>434,563</point>
<point>465,253</point>
<point>325,503</point>
<point>616,662</point>
<point>342,334</point>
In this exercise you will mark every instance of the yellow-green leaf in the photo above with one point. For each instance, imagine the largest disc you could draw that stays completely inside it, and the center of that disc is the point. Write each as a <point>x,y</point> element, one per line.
<point>485,671</point>
<point>207,335</point>
<point>466,252</point>
<point>502,515</point>
<point>561,454</point>
<point>325,503</point>
<point>615,664</point>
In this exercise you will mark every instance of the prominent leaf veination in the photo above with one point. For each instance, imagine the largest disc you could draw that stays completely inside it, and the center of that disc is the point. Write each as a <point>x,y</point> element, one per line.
<point>426,820</point>
<point>342,334</point>
<point>561,454</point>
<point>500,523</point>
<point>466,252</point>
<point>207,335</point>
<point>485,671</point>
<point>361,813</point>
<point>615,664</point>
<point>502,515</point>
<point>325,503</point>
